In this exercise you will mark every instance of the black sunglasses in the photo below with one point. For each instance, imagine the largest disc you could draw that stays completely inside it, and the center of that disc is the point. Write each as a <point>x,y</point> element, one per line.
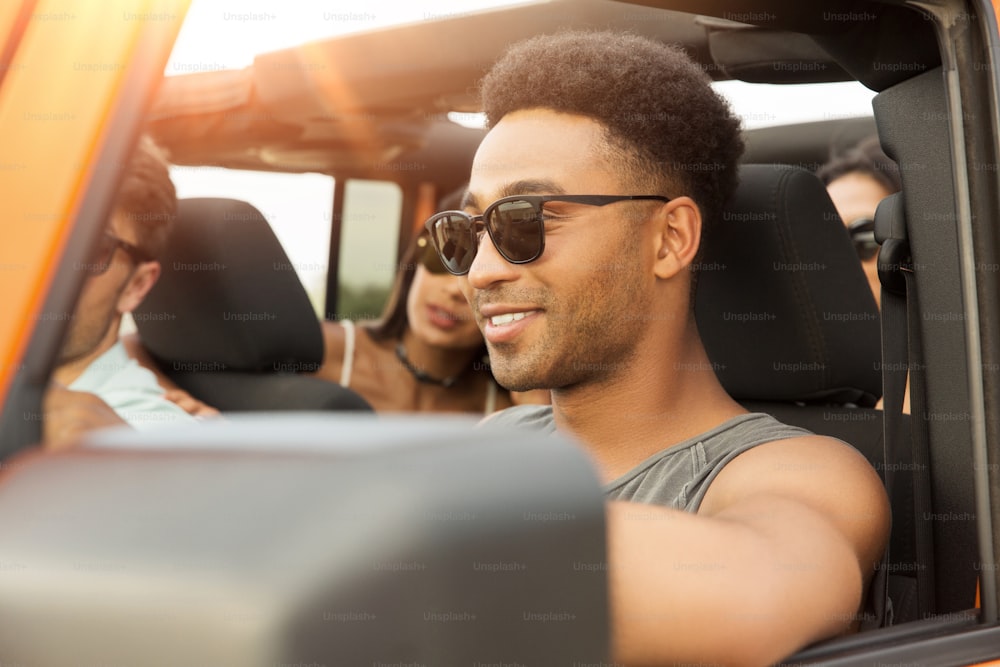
<point>427,256</point>
<point>516,226</point>
<point>104,251</point>
<point>862,233</point>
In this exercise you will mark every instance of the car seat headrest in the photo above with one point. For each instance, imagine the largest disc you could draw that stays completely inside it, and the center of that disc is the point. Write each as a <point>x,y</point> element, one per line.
<point>782,303</point>
<point>227,298</point>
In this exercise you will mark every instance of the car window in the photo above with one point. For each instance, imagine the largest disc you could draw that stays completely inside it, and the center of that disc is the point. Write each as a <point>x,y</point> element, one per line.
<point>299,208</point>
<point>368,242</point>
<point>766,105</point>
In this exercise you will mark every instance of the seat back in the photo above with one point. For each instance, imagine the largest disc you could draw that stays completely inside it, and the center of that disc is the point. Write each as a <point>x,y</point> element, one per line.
<point>782,303</point>
<point>792,329</point>
<point>229,320</point>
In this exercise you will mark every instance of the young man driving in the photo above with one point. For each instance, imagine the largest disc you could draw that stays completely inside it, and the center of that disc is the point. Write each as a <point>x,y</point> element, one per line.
<point>608,157</point>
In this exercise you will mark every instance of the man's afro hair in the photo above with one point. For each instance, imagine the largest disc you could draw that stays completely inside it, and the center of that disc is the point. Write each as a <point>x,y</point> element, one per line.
<point>653,101</point>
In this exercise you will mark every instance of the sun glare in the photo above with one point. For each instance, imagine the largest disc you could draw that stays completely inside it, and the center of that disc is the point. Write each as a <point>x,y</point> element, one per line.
<point>227,34</point>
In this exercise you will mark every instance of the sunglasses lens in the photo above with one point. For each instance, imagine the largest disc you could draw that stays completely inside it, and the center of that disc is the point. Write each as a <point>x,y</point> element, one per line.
<point>517,230</point>
<point>428,257</point>
<point>454,238</point>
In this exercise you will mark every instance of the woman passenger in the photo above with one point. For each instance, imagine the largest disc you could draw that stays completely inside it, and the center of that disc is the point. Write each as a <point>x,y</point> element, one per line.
<point>857,180</point>
<point>425,354</point>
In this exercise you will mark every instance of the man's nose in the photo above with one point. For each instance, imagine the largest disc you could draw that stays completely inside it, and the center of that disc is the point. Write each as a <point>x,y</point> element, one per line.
<point>489,266</point>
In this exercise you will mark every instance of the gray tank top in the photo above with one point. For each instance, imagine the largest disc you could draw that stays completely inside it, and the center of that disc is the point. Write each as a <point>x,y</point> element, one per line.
<point>679,475</point>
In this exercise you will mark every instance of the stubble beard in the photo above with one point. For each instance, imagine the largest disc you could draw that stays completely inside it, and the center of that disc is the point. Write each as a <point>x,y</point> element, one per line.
<point>580,345</point>
<point>85,335</point>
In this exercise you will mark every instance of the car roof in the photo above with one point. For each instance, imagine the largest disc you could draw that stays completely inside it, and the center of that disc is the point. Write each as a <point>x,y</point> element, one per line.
<point>358,102</point>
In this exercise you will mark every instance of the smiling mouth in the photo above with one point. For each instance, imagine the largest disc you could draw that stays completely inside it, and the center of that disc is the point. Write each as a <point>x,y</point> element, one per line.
<point>509,318</point>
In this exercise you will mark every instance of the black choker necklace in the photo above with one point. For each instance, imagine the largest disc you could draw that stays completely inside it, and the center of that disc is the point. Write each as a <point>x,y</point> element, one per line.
<point>422,376</point>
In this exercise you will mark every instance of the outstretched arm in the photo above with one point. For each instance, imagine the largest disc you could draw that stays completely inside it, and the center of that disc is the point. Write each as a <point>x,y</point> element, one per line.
<point>778,557</point>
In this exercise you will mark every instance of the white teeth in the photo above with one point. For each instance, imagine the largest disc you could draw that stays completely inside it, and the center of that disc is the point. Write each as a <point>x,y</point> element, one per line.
<point>503,320</point>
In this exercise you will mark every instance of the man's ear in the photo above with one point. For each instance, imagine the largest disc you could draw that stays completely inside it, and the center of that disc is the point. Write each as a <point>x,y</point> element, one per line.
<point>678,236</point>
<point>143,278</point>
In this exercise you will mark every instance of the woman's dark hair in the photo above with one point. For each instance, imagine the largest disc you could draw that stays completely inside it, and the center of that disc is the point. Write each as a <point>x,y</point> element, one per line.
<point>664,123</point>
<point>866,157</point>
<point>393,322</point>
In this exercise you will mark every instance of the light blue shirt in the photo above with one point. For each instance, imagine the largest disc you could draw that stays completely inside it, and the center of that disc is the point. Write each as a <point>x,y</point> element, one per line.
<point>130,390</point>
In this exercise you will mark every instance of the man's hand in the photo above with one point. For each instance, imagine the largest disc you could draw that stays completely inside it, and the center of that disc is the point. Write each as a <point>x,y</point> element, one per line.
<point>190,404</point>
<point>70,414</point>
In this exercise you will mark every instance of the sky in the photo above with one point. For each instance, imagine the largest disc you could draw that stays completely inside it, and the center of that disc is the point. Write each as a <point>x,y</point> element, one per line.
<point>226,34</point>
<point>230,32</point>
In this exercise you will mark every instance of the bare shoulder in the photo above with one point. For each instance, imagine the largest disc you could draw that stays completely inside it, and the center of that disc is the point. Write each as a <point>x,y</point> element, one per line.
<point>335,342</point>
<point>825,475</point>
<point>334,335</point>
<point>810,462</point>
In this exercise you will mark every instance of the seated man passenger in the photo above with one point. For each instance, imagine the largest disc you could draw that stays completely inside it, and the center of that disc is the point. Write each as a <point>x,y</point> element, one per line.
<point>96,383</point>
<point>608,157</point>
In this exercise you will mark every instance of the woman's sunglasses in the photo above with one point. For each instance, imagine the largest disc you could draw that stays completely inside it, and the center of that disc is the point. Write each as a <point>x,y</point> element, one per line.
<point>104,251</point>
<point>862,233</point>
<point>427,256</point>
<point>516,226</point>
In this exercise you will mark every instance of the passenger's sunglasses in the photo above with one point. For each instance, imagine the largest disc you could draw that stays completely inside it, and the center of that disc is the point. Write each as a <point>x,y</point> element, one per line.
<point>427,256</point>
<point>104,251</point>
<point>862,233</point>
<point>516,226</point>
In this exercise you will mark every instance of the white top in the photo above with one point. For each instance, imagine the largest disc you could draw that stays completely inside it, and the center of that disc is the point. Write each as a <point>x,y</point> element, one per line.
<point>130,390</point>
<point>347,368</point>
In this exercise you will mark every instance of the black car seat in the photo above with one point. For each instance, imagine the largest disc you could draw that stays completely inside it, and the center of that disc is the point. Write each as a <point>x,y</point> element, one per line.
<point>229,321</point>
<point>792,330</point>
